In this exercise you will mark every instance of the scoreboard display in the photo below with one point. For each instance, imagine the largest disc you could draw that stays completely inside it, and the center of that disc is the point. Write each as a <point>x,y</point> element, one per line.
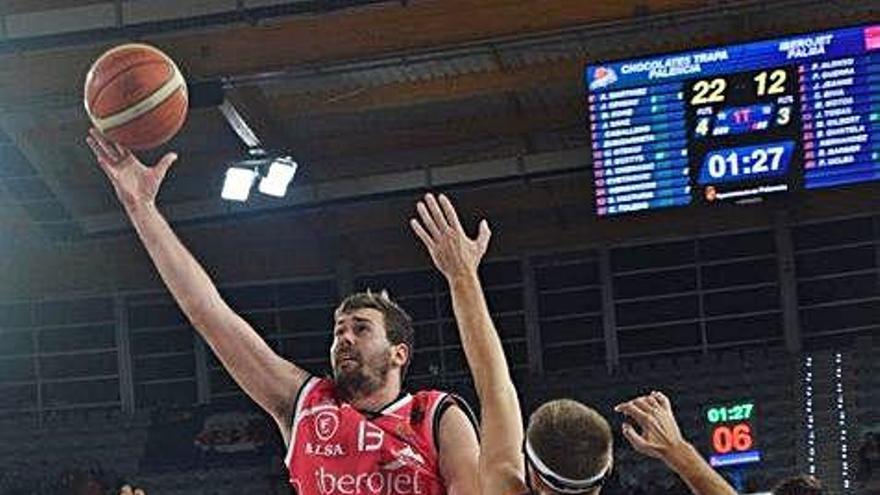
<point>736,124</point>
<point>732,436</point>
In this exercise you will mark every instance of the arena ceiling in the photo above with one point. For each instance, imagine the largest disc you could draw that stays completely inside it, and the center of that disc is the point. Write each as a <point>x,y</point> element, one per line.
<point>371,98</point>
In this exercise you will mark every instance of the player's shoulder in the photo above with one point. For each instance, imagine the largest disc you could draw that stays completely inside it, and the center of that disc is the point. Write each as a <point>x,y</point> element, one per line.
<point>436,403</point>
<point>439,400</point>
<point>429,393</point>
<point>433,392</point>
<point>316,388</point>
<point>322,383</point>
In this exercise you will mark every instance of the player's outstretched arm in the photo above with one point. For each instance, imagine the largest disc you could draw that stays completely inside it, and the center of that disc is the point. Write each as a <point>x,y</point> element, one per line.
<point>661,438</point>
<point>267,378</point>
<point>457,257</point>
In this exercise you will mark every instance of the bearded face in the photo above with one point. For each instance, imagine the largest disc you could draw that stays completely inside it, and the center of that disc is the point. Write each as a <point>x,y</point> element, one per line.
<point>361,355</point>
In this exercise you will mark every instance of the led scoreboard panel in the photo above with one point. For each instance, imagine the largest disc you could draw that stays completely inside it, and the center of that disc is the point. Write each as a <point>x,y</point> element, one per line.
<point>732,436</point>
<point>735,124</point>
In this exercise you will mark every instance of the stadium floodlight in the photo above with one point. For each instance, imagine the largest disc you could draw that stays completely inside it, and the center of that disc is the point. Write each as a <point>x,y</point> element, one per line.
<point>280,174</point>
<point>274,171</point>
<point>238,183</point>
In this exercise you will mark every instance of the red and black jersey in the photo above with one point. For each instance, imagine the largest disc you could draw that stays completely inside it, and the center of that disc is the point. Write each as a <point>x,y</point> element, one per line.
<point>336,449</point>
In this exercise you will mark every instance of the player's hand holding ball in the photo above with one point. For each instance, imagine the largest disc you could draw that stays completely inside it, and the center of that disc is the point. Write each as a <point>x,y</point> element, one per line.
<point>136,99</point>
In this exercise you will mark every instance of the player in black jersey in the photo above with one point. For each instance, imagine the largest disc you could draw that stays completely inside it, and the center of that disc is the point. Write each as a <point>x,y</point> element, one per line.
<point>567,447</point>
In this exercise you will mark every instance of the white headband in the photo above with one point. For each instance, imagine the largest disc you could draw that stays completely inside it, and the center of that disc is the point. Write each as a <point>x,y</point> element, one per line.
<point>561,483</point>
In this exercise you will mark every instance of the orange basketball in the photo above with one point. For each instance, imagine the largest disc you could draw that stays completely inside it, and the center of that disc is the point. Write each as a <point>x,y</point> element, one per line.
<point>136,96</point>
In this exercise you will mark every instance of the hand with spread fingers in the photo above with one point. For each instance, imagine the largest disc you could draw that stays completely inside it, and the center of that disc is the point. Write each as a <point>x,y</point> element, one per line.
<point>660,434</point>
<point>135,184</point>
<point>451,250</point>
<point>457,256</point>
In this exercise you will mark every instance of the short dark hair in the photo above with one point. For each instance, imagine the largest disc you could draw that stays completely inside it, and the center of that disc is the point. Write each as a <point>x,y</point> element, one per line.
<point>802,484</point>
<point>570,438</point>
<point>398,324</point>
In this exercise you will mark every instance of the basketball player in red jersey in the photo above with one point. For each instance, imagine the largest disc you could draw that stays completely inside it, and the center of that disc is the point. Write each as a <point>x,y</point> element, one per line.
<point>567,447</point>
<point>354,434</point>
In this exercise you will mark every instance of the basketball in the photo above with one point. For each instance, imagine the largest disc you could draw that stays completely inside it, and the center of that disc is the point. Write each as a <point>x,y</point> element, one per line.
<point>136,96</point>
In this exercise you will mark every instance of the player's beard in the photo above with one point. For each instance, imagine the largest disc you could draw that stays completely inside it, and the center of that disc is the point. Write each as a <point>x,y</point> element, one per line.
<point>366,377</point>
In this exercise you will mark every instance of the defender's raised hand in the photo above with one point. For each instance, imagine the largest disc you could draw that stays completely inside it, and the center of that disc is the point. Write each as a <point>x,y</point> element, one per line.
<point>135,184</point>
<point>660,434</point>
<point>661,438</point>
<point>451,250</point>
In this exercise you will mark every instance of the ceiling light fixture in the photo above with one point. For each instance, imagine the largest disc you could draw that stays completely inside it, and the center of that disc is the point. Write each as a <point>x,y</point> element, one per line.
<point>275,173</point>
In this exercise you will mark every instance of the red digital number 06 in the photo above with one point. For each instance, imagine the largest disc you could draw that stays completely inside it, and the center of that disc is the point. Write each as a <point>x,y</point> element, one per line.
<point>739,438</point>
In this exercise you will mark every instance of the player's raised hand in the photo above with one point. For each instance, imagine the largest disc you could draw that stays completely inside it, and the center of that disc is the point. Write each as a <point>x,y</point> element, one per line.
<point>659,435</point>
<point>451,250</point>
<point>135,184</point>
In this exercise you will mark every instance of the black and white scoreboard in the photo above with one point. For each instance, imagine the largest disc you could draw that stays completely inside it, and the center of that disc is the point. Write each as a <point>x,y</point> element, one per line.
<point>736,124</point>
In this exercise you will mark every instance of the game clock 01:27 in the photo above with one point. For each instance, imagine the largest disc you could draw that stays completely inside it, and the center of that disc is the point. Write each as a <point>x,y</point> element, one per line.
<point>731,433</point>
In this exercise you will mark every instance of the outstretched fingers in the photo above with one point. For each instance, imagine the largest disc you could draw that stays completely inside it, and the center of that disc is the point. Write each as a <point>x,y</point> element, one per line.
<point>428,220</point>
<point>101,157</point>
<point>436,213</point>
<point>438,220</point>
<point>450,213</point>
<point>103,147</point>
<point>421,233</point>
<point>97,150</point>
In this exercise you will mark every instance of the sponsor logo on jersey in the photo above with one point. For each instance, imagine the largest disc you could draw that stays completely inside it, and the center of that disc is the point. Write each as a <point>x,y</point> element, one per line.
<point>326,424</point>
<point>324,449</point>
<point>405,457</point>
<point>381,482</point>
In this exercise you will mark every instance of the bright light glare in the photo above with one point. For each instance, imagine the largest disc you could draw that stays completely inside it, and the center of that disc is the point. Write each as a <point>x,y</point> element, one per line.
<point>280,175</point>
<point>237,186</point>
